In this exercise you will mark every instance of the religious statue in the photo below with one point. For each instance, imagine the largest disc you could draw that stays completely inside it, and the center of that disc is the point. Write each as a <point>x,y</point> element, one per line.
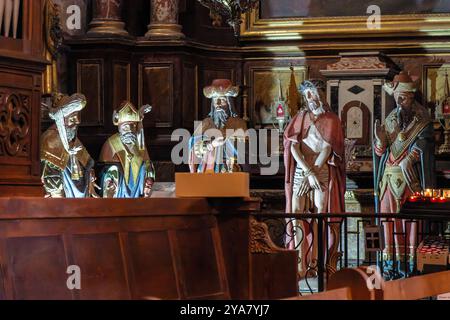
<point>315,168</point>
<point>213,146</point>
<point>128,173</point>
<point>67,166</point>
<point>404,159</point>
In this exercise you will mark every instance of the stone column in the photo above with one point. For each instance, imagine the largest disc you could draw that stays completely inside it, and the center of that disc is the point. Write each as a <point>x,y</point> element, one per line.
<point>107,18</point>
<point>164,20</point>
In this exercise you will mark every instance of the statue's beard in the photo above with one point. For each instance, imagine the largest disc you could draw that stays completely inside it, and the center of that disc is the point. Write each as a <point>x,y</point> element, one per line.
<point>220,117</point>
<point>315,108</point>
<point>71,133</point>
<point>129,138</point>
<point>404,117</point>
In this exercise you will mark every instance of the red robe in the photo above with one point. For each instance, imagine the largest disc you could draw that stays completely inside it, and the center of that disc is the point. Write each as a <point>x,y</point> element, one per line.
<point>329,126</point>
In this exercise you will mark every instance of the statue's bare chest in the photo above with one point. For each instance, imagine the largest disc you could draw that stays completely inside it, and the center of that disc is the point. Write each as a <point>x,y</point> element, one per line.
<point>313,142</point>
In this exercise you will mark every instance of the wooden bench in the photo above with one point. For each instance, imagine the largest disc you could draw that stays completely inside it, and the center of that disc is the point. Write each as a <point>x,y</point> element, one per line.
<point>414,288</point>
<point>337,294</point>
<point>140,248</point>
<point>417,288</point>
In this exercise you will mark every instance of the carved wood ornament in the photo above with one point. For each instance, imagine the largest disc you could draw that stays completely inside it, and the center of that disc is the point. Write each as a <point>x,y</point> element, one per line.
<point>260,241</point>
<point>14,125</point>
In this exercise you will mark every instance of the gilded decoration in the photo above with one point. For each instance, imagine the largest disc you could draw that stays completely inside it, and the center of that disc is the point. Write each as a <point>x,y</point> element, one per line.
<point>326,23</point>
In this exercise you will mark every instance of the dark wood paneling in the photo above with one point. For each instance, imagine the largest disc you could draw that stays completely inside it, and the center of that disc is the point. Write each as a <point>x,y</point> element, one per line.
<point>156,87</point>
<point>122,248</point>
<point>90,83</point>
<point>190,95</point>
<point>135,249</point>
<point>38,268</point>
<point>151,258</point>
<point>121,83</point>
<point>201,276</point>
<point>99,257</point>
<point>20,93</point>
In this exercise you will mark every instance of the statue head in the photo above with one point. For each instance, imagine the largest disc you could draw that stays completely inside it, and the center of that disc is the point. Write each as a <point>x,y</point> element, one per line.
<point>313,92</point>
<point>129,122</point>
<point>403,89</point>
<point>66,114</point>
<point>220,92</point>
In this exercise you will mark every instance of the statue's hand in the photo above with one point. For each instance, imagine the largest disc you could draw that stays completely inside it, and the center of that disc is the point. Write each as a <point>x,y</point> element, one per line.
<point>148,187</point>
<point>218,142</point>
<point>111,187</point>
<point>380,133</point>
<point>407,167</point>
<point>314,182</point>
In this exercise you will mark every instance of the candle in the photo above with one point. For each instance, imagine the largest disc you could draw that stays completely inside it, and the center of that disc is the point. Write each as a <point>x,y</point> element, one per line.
<point>428,193</point>
<point>446,193</point>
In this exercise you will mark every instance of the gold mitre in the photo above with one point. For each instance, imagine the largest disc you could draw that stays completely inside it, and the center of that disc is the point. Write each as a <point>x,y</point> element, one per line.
<point>126,112</point>
<point>221,88</point>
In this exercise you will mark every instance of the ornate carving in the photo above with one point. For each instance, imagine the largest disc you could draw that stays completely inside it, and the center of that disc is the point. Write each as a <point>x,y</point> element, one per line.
<point>358,63</point>
<point>260,241</point>
<point>333,254</point>
<point>53,30</point>
<point>14,125</point>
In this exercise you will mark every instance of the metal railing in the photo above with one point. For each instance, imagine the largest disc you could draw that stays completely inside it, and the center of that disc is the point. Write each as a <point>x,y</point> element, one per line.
<point>343,242</point>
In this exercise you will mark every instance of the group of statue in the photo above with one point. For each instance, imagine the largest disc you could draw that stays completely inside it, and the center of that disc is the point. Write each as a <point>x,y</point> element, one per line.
<point>68,169</point>
<point>314,153</point>
<point>315,164</point>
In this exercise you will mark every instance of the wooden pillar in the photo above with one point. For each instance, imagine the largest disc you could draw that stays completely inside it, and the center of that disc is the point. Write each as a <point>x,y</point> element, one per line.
<point>107,18</point>
<point>164,20</point>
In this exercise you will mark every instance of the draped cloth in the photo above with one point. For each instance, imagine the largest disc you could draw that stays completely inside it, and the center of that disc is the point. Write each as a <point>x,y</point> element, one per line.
<point>329,126</point>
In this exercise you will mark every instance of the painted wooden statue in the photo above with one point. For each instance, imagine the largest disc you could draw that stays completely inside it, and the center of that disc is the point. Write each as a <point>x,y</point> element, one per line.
<point>67,167</point>
<point>128,173</point>
<point>404,160</point>
<point>213,146</point>
<point>315,167</point>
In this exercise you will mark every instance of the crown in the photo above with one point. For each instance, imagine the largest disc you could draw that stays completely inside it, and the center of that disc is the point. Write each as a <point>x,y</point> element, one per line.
<point>126,113</point>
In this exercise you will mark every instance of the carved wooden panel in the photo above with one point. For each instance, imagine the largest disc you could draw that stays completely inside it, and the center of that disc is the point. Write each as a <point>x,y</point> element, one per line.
<point>90,83</point>
<point>156,87</point>
<point>121,83</point>
<point>208,76</point>
<point>190,95</point>
<point>15,124</point>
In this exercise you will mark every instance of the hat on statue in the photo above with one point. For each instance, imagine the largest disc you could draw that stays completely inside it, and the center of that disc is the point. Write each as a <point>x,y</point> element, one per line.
<point>402,82</point>
<point>221,88</point>
<point>63,106</point>
<point>127,112</point>
<point>66,104</point>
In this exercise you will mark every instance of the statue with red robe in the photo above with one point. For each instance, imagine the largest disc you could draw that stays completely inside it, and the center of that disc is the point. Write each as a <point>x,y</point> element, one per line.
<point>314,159</point>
